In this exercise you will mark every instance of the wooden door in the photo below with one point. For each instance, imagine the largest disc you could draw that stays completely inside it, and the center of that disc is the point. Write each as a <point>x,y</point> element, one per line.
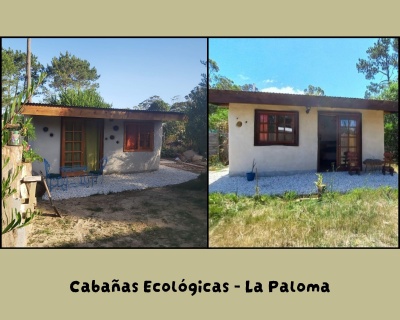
<point>72,142</point>
<point>349,138</point>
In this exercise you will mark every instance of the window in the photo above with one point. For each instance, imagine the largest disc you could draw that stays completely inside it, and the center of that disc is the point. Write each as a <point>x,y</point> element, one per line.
<point>276,128</point>
<point>138,136</point>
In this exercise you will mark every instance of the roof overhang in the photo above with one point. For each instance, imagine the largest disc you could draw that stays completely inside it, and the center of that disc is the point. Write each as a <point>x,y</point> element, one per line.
<point>224,97</point>
<point>36,109</point>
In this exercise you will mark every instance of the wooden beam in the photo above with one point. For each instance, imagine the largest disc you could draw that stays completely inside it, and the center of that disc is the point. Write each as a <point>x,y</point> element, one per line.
<point>99,113</point>
<point>224,97</point>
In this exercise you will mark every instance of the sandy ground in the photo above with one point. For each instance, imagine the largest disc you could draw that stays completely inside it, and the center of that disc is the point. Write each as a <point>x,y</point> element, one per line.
<point>172,216</point>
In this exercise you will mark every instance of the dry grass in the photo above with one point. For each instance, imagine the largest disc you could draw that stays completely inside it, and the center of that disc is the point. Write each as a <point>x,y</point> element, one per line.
<point>361,218</point>
<point>172,216</point>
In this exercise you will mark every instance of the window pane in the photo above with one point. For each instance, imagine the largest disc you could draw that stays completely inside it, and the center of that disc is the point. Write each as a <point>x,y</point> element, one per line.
<point>68,156</point>
<point>272,119</point>
<point>78,136</point>
<point>271,128</point>
<point>281,121</point>
<point>263,128</point>
<point>130,137</point>
<point>263,118</point>
<point>68,146</point>
<point>77,146</point>
<point>68,136</point>
<point>263,137</point>
<point>289,137</point>
<point>352,142</point>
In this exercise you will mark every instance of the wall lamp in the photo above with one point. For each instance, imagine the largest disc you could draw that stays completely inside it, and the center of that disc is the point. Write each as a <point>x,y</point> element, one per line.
<point>308,109</point>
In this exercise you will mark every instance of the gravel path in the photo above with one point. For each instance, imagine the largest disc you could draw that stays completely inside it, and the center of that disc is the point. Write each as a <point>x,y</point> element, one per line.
<point>122,182</point>
<point>302,184</point>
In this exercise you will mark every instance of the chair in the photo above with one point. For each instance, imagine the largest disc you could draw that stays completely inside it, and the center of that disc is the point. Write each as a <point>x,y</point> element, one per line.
<point>51,176</point>
<point>353,163</point>
<point>103,163</point>
<point>387,161</point>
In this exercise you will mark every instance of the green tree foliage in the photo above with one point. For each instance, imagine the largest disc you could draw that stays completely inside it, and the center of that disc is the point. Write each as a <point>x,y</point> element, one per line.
<point>314,91</point>
<point>154,103</point>
<point>196,110</point>
<point>13,74</point>
<point>218,119</point>
<point>382,60</point>
<point>80,98</point>
<point>178,107</point>
<point>249,87</point>
<point>69,72</point>
<point>216,116</point>
<point>159,105</point>
<point>391,120</point>
<point>174,131</point>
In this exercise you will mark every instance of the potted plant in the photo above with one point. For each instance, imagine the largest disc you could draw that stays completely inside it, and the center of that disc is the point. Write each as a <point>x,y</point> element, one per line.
<point>320,185</point>
<point>251,175</point>
<point>14,135</point>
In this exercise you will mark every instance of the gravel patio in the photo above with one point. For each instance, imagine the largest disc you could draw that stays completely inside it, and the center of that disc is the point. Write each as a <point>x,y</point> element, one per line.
<point>123,182</point>
<point>302,184</point>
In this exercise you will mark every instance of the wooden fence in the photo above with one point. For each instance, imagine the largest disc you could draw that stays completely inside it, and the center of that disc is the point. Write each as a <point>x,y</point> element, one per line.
<point>218,145</point>
<point>213,143</point>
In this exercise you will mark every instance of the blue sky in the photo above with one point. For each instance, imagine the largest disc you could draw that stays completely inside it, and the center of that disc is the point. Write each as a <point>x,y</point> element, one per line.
<point>289,65</point>
<point>131,69</point>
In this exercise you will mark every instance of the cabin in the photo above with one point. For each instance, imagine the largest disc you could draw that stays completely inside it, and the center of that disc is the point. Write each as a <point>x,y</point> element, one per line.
<point>289,133</point>
<point>68,136</point>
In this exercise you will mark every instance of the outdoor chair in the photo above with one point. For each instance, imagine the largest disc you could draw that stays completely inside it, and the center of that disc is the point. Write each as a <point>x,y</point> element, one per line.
<point>353,163</point>
<point>387,162</point>
<point>97,173</point>
<point>51,177</point>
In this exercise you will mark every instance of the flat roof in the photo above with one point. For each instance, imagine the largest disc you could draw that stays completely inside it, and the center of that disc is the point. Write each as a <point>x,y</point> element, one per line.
<point>225,97</point>
<point>50,110</point>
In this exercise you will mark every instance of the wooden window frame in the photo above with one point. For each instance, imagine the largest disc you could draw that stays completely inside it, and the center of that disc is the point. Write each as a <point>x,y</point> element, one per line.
<point>257,131</point>
<point>141,128</point>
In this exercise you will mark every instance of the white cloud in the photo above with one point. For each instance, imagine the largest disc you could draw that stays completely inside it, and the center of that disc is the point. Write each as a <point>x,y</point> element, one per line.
<point>282,90</point>
<point>268,81</point>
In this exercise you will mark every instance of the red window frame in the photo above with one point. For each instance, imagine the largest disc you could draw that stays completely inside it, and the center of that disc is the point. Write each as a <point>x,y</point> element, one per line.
<point>138,136</point>
<point>273,127</point>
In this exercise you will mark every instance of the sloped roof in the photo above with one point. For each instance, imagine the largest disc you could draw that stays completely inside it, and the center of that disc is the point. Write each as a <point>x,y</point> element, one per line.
<point>225,97</point>
<point>39,109</point>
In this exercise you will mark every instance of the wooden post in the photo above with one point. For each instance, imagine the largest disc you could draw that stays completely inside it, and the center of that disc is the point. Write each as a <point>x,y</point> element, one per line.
<point>28,67</point>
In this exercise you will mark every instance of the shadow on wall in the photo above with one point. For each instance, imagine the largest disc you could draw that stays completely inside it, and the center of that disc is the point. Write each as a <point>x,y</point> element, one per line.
<point>130,162</point>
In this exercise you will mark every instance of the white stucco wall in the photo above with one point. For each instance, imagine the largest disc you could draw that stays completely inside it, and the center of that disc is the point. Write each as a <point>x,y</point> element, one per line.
<point>373,134</point>
<point>118,161</point>
<point>272,160</point>
<point>45,145</point>
<point>126,162</point>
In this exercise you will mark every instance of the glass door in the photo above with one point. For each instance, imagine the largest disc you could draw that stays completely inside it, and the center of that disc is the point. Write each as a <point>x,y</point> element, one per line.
<point>349,138</point>
<point>73,142</point>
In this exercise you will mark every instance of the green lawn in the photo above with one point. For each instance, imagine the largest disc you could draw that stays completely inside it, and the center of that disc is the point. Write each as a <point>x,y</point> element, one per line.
<point>361,218</point>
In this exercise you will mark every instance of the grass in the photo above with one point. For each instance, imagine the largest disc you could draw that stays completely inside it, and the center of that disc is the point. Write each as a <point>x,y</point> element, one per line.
<point>198,184</point>
<point>360,218</point>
